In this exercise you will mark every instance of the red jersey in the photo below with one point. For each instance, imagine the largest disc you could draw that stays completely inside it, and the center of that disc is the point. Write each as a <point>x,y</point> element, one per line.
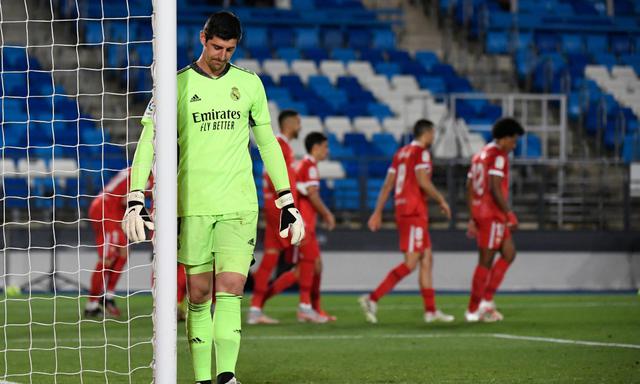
<point>307,176</point>
<point>112,200</point>
<point>490,161</point>
<point>410,200</point>
<point>268,190</point>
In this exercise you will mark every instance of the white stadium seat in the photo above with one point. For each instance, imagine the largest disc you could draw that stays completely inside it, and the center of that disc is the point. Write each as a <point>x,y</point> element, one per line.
<point>304,69</point>
<point>275,68</point>
<point>250,64</point>
<point>338,125</point>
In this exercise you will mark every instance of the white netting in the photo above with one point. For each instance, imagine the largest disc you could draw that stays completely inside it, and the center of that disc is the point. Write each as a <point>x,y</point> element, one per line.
<point>75,82</point>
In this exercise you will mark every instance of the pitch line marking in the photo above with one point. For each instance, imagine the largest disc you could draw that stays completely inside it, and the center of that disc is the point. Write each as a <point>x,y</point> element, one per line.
<point>503,336</point>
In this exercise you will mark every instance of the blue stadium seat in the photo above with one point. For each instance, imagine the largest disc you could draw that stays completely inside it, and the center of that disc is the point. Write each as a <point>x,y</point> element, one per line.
<point>529,146</point>
<point>260,53</point>
<point>597,44</point>
<point>497,42</point>
<point>387,69</point>
<point>15,110</point>
<point>359,38</point>
<point>434,84</point>
<point>316,54</point>
<point>307,38</point>
<point>572,43</point>
<point>281,37</point>
<point>343,54</point>
<point>93,33</point>
<point>384,39</point>
<point>332,38</point>
<point>289,54</point>
<point>347,194</point>
<point>255,37</point>
<point>379,110</point>
<point>385,143</point>
<point>142,54</point>
<point>522,40</point>
<point>621,44</point>
<point>14,84</point>
<point>115,31</point>
<point>373,56</point>
<point>14,59</point>
<point>546,42</point>
<point>16,192</point>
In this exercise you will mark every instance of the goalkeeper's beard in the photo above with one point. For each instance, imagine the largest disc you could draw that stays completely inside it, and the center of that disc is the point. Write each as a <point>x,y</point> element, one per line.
<point>216,66</point>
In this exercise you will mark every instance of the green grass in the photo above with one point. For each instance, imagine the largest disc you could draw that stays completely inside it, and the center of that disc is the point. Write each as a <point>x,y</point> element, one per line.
<point>400,349</point>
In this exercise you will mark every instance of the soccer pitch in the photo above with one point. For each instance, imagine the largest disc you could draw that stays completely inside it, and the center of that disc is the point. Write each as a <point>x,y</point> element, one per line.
<point>544,339</point>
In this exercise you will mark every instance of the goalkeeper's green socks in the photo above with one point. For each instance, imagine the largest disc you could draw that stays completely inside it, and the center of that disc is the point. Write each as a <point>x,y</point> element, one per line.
<point>226,331</point>
<point>199,333</point>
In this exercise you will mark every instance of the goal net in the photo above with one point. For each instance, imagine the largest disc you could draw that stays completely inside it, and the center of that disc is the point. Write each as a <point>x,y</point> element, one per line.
<point>76,78</point>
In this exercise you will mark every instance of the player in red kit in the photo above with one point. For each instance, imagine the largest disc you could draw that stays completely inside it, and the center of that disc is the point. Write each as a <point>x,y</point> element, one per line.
<point>308,271</point>
<point>106,212</point>
<point>289,123</point>
<point>410,177</point>
<point>492,220</point>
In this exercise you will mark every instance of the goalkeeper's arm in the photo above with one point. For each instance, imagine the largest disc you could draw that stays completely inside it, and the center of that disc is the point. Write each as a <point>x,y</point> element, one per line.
<point>271,154</point>
<point>136,217</point>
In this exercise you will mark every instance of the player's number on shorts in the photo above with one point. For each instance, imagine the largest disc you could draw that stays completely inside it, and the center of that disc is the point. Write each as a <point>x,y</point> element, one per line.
<point>477,178</point>
<point>402,175</point>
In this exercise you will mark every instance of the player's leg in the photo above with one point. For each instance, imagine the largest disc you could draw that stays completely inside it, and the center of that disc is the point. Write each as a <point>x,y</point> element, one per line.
<point>195,253</point>
<point>233,249</point>
<point>261,278</point>
<point>496,275</point>
<point>118,246</point>
<point>309,253</point>
<point>93,306</point>
<point>431,313</point>
<point>315,292</point>
<point>282,282</point>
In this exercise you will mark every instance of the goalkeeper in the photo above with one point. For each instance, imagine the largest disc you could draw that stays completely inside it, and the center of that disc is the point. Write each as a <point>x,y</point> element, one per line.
<point>217,201</point>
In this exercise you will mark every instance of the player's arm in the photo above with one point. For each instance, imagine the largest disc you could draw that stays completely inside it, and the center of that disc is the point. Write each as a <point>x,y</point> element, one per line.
<point>271,154</point>
<point>472,230</point>
<point>422,175</point>
<point>136,217</point>
<point>495,182</point>
<point>313,193</point>
<point>375,221</point>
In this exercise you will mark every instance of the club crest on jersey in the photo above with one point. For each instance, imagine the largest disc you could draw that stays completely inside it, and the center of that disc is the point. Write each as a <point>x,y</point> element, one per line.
<point>235,94</point>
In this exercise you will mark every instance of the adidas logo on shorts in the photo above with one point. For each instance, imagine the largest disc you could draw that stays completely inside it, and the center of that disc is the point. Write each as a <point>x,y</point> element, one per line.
<point>194,98</point>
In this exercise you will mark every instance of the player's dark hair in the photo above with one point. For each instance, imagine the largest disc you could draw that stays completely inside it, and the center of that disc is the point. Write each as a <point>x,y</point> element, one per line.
<point>312,139</point>
<point>505,127</point>
<point>224,25</point>
<point>421,126</point>
<point>285,114</point>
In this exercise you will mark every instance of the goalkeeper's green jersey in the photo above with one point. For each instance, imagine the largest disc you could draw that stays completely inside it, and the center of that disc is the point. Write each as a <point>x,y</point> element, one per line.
<point>214,164</point>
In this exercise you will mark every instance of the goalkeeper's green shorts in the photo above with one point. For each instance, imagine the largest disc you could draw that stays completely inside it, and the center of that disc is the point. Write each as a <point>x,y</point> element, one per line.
<point>226,241</point>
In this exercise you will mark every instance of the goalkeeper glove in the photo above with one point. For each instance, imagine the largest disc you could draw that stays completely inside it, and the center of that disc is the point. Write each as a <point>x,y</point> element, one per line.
<point>512,220</point>
<point>136,217</point>
<point>290,219</point>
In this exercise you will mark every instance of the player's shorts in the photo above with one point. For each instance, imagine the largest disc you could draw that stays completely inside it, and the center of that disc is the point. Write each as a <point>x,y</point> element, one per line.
<point>110,238</point>
<point>309,249</point>
<point>228,241</point>
<point>272,239</point>
<point>414,233</point>
<point>491,233</point>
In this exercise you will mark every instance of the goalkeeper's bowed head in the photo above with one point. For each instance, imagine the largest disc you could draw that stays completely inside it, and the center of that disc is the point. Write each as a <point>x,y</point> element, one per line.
<point>290,219</point>
<point>136,217</point>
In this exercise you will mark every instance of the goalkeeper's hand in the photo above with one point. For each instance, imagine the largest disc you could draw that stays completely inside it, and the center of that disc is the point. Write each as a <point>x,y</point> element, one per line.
<point>136,217</point>
<point>290,219</point>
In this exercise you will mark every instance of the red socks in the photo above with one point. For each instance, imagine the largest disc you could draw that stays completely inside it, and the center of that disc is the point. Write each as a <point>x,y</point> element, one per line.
<point>429,299</point>
<point>396,274</point>
<point>315,291</point>
<point>97,282</point>
<point>261,278</point>
<point>495,278</point>
<point>115,272</point>
<point>477,287</point>
<point>283,282</point>
<point>307,270</point>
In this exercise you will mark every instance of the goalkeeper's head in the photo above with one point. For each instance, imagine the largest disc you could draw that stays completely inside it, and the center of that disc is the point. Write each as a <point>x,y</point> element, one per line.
<point>317,145</point>
<point>219,38</point>
<point>506,132</point>
<point>423,132</point>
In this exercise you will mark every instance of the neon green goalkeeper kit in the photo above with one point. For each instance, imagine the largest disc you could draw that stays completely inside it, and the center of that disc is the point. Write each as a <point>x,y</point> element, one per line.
<point>214,117</point>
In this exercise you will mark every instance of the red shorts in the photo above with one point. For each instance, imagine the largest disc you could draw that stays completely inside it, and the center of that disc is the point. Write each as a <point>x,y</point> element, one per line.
<point>272,239</point>
<point>491,233</point>
<point>309,249</point>
<point>110,237</point>
<point>414,233</point>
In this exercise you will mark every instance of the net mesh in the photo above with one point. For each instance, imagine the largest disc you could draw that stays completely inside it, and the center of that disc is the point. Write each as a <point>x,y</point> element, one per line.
<point>76,76</point>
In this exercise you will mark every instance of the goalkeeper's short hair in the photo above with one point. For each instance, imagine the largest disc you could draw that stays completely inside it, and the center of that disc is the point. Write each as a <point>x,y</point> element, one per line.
<point>312,139</point>
<point>421,126</point>
<point>224,25</point>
